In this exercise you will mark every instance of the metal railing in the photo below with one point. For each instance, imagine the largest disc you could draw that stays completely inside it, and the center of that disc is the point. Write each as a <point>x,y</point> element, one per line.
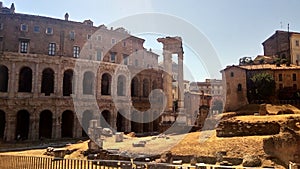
<point>30,162</point>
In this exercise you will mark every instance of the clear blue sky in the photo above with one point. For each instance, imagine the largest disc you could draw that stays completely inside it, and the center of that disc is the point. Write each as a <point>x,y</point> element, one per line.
<point>235,28</point>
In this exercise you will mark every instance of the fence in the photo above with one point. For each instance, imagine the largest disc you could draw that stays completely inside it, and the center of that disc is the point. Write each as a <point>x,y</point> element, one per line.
<point>29,162</point>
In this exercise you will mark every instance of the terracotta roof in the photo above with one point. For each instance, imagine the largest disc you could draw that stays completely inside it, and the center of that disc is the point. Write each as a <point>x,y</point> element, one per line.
<point>264,67</point>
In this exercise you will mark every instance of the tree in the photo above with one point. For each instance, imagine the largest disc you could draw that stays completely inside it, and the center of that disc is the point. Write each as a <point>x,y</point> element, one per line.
<point>264,86</point>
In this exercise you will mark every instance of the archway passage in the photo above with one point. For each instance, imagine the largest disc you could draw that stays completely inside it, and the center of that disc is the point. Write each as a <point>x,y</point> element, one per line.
<point>22,128</point>
<point>146,88</point>
<point>45,125</point>
<point>67,124</point>
<point>47,82</point>
<point>3,78</point>
<point>105,84</point>
<point>105,119</point>
<point>88,83</point>
<point>2,124</point>
<point>121,122</point>
<point>68,82</point>
<point>87,116</point>
<point>25,80</point>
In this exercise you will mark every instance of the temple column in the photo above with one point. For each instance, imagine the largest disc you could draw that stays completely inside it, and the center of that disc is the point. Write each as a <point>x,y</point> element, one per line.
<point>167,79</point>
<point>181,118</point>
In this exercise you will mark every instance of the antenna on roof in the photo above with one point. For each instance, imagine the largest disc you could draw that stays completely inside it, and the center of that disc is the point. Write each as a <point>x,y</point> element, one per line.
<point>280,24</point>
<point>288,27</point>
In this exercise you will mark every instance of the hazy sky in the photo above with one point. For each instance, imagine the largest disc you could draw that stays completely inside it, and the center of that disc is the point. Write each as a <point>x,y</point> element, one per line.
<point>235,28</point>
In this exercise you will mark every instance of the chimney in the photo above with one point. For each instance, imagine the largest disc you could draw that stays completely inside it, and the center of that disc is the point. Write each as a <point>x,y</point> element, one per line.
<point>12,8</point>
<point>67,16</point>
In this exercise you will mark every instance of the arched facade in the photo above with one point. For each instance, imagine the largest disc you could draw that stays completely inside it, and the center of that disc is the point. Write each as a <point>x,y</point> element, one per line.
<point>25,80</point>
<point>22,125</point>
<point>45,124</point>
<point>106,84</point>
<point>47,86</point>
<point>67,124</point>
<point>121,85</point>
<point>3,78</point>
<point>2,124</point>
<point>88,83</point>
<point>68,82</point>
<point>135,87</point>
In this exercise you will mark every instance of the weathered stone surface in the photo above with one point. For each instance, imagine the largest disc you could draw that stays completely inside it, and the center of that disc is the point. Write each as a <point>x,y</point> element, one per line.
<point>251,161</point>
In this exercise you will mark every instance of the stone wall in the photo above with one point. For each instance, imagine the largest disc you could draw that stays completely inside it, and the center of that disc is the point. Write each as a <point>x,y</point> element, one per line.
<point>239,128</point>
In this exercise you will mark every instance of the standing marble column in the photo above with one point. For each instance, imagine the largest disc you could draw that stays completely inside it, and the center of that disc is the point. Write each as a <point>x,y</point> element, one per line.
<point>167,79</point>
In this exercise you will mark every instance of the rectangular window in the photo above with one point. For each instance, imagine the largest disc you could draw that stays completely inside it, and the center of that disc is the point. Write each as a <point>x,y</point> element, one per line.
<point>99,38</point>
<point>280,77</point>
<point>294,77</point>
<point>49,31</point>
<point>113,57</point>
<point>124,44</point>
<point>280,86</point>
<point>297,42</point>
<point>24,27</point>
<point>125,59</point>
<point>231,74</point>
<point>51,50</point>
<point>113,41</point>
<point>136,62</point>
<point>99,55</point>
<point>36,29</point>
<point>76,51</point>
<point>1,26</point>
<point>72,35</point>
<point>24,46</point>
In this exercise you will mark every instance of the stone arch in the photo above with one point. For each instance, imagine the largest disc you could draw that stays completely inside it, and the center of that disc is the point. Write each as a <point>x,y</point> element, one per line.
<point>106,84</point>
<point>68,82</point>
<point>2,124</point>
<point>87,116</point>
<point>22,125</point>
<point>135,87</point>
<point>25,80</point>
<point>88,83</point>
<point>67,124</point>
<point>3,78</point>
<point>146,88</point>
<point>105,119</point>
<point>45,124</point>
<point>47,85</point>
<point>121,85</point>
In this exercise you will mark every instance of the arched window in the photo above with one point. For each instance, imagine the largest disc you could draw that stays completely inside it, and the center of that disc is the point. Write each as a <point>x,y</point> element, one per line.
<point>239,87</point>
<point>121,87</point>
<point>25,80</point>
<point>88,83</point>
<point>134,87</point>
<point>47,82</point>
<point>3,78</point>
<point>68,82</point>
<point>145,87</point>
<point>105,84</point>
